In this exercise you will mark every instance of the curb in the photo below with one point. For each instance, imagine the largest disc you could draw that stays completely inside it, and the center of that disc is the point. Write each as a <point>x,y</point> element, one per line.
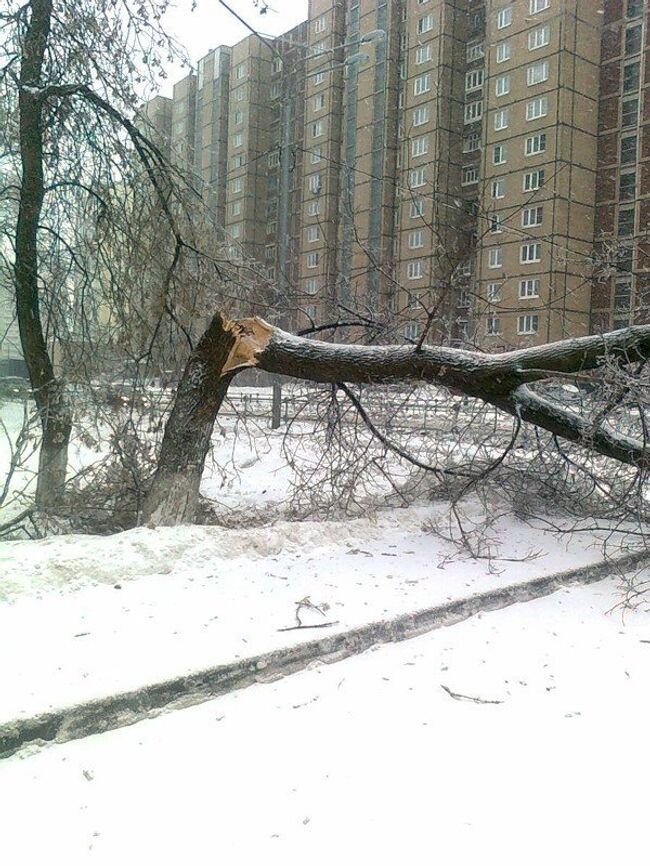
<point>127,708</point>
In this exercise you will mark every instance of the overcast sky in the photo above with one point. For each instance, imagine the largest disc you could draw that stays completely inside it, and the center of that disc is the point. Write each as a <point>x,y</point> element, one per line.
<point>210,25</point>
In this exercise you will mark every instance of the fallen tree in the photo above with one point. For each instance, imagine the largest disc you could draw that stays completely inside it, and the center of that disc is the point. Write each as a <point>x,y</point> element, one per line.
<point>501,380</point>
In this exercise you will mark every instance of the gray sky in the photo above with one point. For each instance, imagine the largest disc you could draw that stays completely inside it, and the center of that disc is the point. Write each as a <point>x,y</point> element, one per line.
<point>210,25</point>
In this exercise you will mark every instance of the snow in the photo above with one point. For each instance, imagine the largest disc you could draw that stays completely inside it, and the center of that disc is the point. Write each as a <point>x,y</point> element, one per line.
<point>114,613</point>
<point>371,761</point>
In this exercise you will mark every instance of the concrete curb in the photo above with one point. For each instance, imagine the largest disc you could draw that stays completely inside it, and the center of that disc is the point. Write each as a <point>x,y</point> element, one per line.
<point>116,711</point>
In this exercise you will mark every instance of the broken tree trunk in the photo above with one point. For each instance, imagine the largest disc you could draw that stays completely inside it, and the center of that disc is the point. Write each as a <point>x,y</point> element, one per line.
<point>499,379</point>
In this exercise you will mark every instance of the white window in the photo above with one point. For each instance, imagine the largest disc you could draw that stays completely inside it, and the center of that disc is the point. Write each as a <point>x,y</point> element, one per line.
<point>496,223</point>
<point>318,77</point>
<point>421,116</point>
<point>312,234</point>
<point>530,253</point>
<point>472,142</point>
<point>416,208</point>
<point>313,208</point>
<point>425,24</point>
<point>502,86</point>
<point>317,129</point>
<point>271,227</point>
<point>310,312</point>
<point>277,64</point>
<point>412,330</point>
<point>270,273</point>
<point>416,239</point>
<point>240,94</point>
<point>423,54</point>
<point>473,111</point>
<point>504,18</point>
<point>464,299</point>
<point>501,119</point>
<point>469,175</point>
<point>235,208</point>
<point>527,324</point>
<point>240,71</point>
<point>417,178</point>
<point>269,252</point>
<point>495,257</point>
<point>238,161</point>
<point>312,260</point>
<point>532,216</point>
<point>498,189</point>
<point>494,292</point>
<point>320,24</point>
<point>539,37</point>
<point>275,90</point>
<point>315,183</point>
<point>537,73</point>
<point>538,6</point>
<point>474,51</point>
<point>235,230</point>
<point>238,139</point>
<point>414,270</point>
<point>537,108</point>
<point>422,84</point>
<point>237,184</point>
<point>473,80</point>
<point>311,286</point>
<point>274,159</point>
<point>503,52</point>
<point>499,154</point>
<point>319,101</point>
<point>237,117</point>
<point>420,146</point>
<point>533,180</point>
<point>529,288</point>
<point>535,144</point>
<point>492,326</point>
<point>316,154</point>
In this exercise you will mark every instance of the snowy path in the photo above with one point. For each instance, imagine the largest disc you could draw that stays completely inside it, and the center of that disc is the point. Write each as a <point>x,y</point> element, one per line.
<point>371,761</point>
<point>194,597</point>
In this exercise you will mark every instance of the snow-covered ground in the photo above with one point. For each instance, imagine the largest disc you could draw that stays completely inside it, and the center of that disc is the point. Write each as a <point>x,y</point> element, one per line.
<point>371,760</point>
<point>114,613</point>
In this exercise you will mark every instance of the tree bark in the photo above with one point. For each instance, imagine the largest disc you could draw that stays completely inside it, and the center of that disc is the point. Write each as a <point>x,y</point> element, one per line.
<point>173,496</point>
<point>499,379</point>
<point>54,411</point>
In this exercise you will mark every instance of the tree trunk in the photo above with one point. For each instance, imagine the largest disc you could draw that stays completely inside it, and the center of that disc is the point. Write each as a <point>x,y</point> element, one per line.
<point>55,415</point>
<point>174,493</point>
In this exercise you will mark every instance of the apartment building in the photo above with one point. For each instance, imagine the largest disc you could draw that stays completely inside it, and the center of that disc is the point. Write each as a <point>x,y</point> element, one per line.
<point>476,165</point>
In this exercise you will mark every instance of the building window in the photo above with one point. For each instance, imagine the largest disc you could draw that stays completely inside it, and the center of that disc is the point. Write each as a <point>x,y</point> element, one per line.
<point>539,37</point>
<point>269,252</point>
<point>277,65</point>
<point>535,144</point>
<point>271,227</point>
<point>532,216</point>
<point>319,102</point>
<point>425,24</point>
<point>318,77</point>
<point>634,8</point>
<point>473,111</point>
<point>416,239</point>
<point>237,185</point>
<point>235,208</point>
<point>240,71</point>
<point>530,253</point>
<point>631,77</point>
<point>417,178</point>
<point>311,286</point>
<point>421,116</point>
<point>315,154</point>
<point>237,117</point>
<point>238,161</point>
<point>628,149</point>
<point>420,146</point>
<point>422,84</point>
<point>533,180</point>
<point>537,73</point>
<point>315,183</point>
<point>495,257</point>
<point>317,129</point>
<point>474,52</point>
<point>498,189</point>
<point>503,52</point>
<point>502,86</point>
<point>235,230</point>
<point>275,90</point>
<point>414,270</point>
<point>626,223</point>
<point>633,38</point>
<point>464,299</point>
<point>527,324</point>
<point>312,260</point>
<point>627,187</point>
<point>238,139</point>
<point>528,289</point>
<point>423,54</point>
<point>274,159</point>
<point>623,295</point>
<point>312,234</point>
<point>416,208</point>
<point>412,330</point>
<point>499,154</point>
<point>469,175</point>
<point>630,112</point>
<point>504,18</point>
<point>320,24</point>
<point>537,108</point>
<point>472,142</point>
<point>496,223</point>
<point>473,80</point>
<point>313,208</point>
<point>538,6</point>
<point>492,325</point>
<point>494,292</point>
<point>501,119</point>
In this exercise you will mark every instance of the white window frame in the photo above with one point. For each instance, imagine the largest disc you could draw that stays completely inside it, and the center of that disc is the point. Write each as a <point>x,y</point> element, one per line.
<point>469,175</point>
<point>312,234</point>
<point>423,53</point>
<point>417,178</point>
<point>492,326</point>
<point>501,151</point>
<point>495,257</point>
<point>530,253</point>
<point>535,144</point>
<point>421,115</point>
<point>414,270</point>
<point>474,52</point>
<point>533,180</point>
<point>474,79</point>
<point>420,146</point>
<point>494,292</point>
<point>425,24</point>
<point>313,260</point>
<point>422,84</point>
<point>537,108</point>
<point>473,111</point>
<point>416,239</point>
<point>498,188</point>
<point>528,324</point>
<point>504,18</point>
<point>535,6</point>
<point>311,286</point>
<point>529,288</point>
<point>537,73</point>
<point>501,119</point>
<point>539,38</point>
<point>503,51</point>
<point>532,216</point>
<point>416,208</point>
<point>502,85</point>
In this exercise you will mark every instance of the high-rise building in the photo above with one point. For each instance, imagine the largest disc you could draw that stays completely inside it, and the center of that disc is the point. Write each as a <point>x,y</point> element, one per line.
<point>475,167</point>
